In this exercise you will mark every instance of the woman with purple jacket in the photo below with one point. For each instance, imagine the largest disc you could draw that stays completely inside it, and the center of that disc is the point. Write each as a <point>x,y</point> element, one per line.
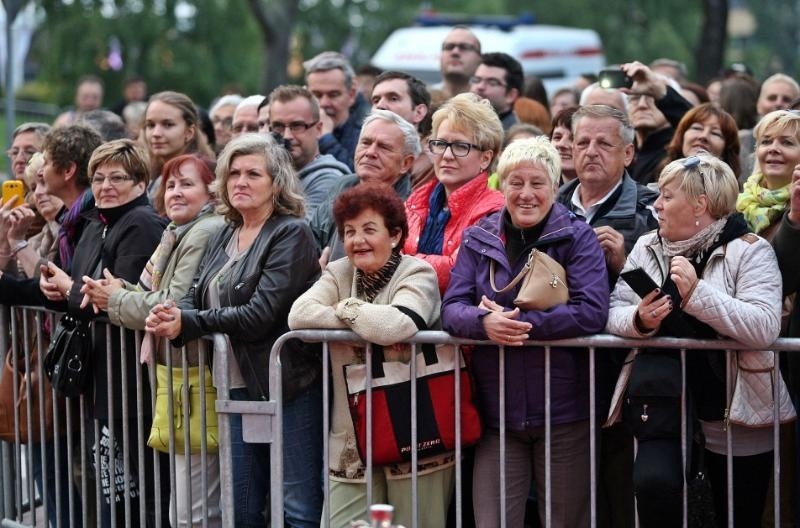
<point>529,171</point>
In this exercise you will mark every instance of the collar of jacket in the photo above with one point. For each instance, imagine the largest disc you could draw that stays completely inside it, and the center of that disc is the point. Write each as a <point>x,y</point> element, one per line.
<point>623,204</point>
<point>486,237</point>
<point>110,215</point>
<point>459,201</point>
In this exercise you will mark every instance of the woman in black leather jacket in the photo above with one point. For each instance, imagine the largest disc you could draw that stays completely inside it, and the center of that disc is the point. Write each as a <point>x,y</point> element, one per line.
<point>251,273</point>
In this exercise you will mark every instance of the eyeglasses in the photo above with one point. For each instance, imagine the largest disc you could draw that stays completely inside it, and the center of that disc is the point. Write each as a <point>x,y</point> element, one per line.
<point>296,127</point>
<point>225,122</point>
<point>693,162</point>
<point>240,128</point>
<point>459,149</point>
<point>115,180</point>
<point>14,152</point>
<point>462,46</point>
<point>491,81</point>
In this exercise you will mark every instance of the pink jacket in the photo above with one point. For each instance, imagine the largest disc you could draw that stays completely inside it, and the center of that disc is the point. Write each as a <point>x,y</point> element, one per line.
<point>467,205</point>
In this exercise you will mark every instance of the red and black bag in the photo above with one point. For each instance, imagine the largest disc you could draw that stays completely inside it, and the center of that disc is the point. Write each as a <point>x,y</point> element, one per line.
<point>391,405</point>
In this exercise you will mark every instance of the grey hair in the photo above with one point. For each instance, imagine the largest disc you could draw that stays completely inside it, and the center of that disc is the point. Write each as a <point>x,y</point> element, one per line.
<point>287,195</point>
<point>250,100</point>
<point>780,77</point>
<point>40,129</point>
<point>626,132</point>
<point>411,144</point>
<point>331,60</point>
<point>596,86</point>
<point>225,100</point>
<point>109,125</point>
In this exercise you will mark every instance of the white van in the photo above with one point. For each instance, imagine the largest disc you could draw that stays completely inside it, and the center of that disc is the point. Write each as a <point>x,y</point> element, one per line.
<point>557,55</point>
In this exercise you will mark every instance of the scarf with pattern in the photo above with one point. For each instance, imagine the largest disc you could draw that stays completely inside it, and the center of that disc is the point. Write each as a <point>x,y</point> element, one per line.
<point>368,285</point>
<point>71,224</point>
<point>760,206</point>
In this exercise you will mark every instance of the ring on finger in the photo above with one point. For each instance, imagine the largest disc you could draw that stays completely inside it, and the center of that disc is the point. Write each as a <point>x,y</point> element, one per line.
<point>653,314</point>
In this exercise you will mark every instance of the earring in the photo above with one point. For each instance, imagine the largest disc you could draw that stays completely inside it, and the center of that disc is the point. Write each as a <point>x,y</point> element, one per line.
<point>394,244</point>
<point>697,222</point>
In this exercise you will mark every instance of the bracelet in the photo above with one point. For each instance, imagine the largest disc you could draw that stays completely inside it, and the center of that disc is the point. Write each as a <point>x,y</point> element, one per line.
<point>19,246</point>
<point>689,294</point>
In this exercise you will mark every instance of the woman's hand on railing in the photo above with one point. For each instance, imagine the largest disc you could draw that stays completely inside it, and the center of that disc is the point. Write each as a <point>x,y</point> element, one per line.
<point>504,329</point>
<point>164,320</point>
<point>98,291</point>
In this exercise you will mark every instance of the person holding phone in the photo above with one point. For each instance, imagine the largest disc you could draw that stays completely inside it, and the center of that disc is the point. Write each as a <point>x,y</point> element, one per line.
<point>700,245</point>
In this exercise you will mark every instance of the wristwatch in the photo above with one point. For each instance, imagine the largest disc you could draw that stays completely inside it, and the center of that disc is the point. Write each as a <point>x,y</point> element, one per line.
<point>19,246</point>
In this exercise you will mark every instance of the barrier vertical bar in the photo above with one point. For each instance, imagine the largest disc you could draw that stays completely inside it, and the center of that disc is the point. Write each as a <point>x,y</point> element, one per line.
<point>142,435</point>
<point>225,464</point>
<point>154,455</point>
<point>683,438</point>
<point>17,439</point>
<point>276,447</point>
<point>171,442</point>
<point>728,439</point>
<point>776,437</point>
<point>326,427</point>
<point>126,433</point>
<point>592,440</point>
<point>414,443</point>
<point>204,384</point>
<point>501,359</point>
<point>457,383</point>
<point>368,360</point>
<point>111,452</point>
<point>548,473</point>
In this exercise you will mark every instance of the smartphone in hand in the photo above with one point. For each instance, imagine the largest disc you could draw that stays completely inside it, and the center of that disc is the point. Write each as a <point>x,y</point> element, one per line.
<point>639,281</point>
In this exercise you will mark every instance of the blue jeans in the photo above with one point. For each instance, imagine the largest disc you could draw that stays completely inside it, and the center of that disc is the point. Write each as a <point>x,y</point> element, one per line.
<point>302,459</point>
<point>250,465</point>
<point>302,464</point>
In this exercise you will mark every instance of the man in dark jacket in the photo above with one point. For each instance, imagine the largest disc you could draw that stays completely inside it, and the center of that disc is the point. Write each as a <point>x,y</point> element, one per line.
<point>619,210</point>
<point>329,76</point>
<point>655,108</point>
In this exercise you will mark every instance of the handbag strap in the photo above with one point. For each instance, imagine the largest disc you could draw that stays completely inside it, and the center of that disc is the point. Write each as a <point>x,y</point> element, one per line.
<point>528,265</point>
<point>428,349</point>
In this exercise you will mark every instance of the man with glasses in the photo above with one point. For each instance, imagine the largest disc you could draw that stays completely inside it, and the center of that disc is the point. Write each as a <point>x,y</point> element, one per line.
<point>461,55</point>
<point>499,79</point>
<point>25,142</point>
<point>294,117</point>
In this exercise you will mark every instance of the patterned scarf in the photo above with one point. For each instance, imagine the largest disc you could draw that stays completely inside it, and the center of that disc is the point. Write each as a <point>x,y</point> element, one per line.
<point>760,206</point>
<point>71,225</point>
<point>153,271</point>
<point>368,285</point>
<point>697,245</point>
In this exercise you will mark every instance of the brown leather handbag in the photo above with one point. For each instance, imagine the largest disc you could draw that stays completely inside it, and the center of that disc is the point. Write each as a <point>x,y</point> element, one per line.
<point>15,411</point>
<point>544,285</point>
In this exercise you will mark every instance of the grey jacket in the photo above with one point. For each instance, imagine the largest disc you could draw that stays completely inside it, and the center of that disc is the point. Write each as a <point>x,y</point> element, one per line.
<point>317,179</point>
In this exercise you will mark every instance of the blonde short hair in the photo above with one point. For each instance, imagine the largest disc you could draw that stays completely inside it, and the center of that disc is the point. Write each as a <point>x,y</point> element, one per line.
<point>706,175</point>
<point>286,194</point>
<point>124,152</point>
<point>473,116</point>
<point>537,150</point>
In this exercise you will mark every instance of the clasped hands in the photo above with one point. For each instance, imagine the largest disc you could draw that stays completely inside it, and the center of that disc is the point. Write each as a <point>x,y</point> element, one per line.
<point>502,326</point>
<point>164,320</point>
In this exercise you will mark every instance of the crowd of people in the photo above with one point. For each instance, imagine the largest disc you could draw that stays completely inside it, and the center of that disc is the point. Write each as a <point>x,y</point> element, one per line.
<point>390,207</point>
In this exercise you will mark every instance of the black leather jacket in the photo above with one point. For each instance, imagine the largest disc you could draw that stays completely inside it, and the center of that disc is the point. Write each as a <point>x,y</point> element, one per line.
<point>279,266</point>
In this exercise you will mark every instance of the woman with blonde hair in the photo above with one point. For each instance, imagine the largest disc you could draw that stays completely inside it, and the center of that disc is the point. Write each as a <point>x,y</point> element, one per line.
<point>466,138</point>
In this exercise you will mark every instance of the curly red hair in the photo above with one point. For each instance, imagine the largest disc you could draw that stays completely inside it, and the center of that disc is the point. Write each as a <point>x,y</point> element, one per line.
<point>380,198</point>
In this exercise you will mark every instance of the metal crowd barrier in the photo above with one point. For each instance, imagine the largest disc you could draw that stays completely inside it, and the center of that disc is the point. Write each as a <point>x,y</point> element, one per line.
<point>77,495</point>
<point>592,344</point>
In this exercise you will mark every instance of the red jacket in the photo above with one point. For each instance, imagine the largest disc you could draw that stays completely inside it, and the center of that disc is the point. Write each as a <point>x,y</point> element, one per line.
<point>471,202</point>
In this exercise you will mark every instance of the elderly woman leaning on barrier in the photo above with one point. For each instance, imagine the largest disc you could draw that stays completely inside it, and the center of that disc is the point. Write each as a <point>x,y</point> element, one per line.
<point>380,295</point>
<point>466,138</point>
<point>766,192</point>
<point>715,279</point>
<point>167,275</point>
<point>252,271</point>
<point>495,252</point>
<point>122,232</point>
